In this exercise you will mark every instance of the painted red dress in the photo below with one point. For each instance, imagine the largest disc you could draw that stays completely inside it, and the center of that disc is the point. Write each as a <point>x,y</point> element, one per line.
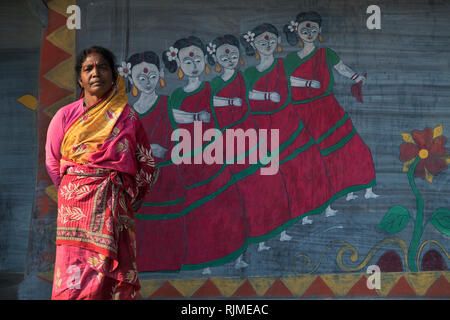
<point>234,117</point>
<point>348,160</point>
<point>215,225</point>
<point>160,224</point>
<point>300,187</point>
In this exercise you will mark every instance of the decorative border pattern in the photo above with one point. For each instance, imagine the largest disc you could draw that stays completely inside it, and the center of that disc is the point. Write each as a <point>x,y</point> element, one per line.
<point>393,285</point>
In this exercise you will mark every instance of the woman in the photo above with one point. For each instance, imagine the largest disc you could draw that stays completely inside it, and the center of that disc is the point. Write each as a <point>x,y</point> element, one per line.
<point>290,193</point>
<point>348,160</point>
<point>99,159</point>
<point>144,73</point>
<point>213,213</point>
<point>229,105</point>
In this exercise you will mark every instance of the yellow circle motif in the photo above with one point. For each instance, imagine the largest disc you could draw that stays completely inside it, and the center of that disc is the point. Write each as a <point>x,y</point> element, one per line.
<point>423,154</point>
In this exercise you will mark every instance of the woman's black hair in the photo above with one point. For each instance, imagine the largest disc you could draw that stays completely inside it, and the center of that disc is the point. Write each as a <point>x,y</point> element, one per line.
<point>181,44</point>
<point>292,36</point>
<point>219,41</point>
<point>265,27</point>
<point>106,54</point>
<point>146,56</point>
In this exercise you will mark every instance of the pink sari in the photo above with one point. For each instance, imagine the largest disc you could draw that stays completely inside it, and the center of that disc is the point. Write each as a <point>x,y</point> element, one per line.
<point>102,184</point>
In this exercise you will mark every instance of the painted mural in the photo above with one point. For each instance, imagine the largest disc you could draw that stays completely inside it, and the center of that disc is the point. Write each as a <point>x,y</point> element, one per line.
<point>290,164</point>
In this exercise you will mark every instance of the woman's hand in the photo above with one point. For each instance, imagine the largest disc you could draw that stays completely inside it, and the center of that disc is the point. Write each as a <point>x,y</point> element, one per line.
<point>274,97</point>
<point>204,116</point>
<point>314,84</point>
<point>360,78</point>
<point>237,102</point>
<point>157,150</point>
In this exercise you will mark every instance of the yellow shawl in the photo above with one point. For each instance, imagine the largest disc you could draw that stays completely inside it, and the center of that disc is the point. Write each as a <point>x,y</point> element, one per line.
<point>88,133</point>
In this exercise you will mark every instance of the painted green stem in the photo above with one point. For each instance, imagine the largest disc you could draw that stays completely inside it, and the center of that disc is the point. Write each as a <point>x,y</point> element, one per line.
<point>418,223</point>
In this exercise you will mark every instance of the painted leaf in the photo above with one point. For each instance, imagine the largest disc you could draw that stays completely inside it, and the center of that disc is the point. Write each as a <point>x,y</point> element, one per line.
<point>407,137</point>
<point>395,220</point>
<point>438,131</point>
<point>441,220</point>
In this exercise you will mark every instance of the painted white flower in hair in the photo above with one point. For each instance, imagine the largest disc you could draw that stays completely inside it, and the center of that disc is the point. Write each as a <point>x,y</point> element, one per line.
<point>211,48</point>
<point>293,26</point>
<point>250,36</point>
<point>124,69</point>
<point>172,54</point>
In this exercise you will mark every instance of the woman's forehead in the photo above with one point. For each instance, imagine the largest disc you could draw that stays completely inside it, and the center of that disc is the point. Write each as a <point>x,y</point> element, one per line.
<point>266,35</point>
<point>190,51</point>
<point>226,49</point>
<point>308,24</point>
<point>144,67</point>
<point>94,58</point>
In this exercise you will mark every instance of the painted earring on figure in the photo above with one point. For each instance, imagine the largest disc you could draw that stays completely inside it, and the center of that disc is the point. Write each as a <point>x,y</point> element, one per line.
<point>162,82</point>
<point>217,68</point>
<point>320,37</point>
<point>279,48</point>
<point>180,73</point>
<point>134,91</point>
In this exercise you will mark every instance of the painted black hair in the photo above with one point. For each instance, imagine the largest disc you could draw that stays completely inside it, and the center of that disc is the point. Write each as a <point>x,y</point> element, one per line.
<point>146,56</point>
<point>265,27</point>
<point>219,41</point>
<point>292,37</point>
<point>106,54</point>
<point>181,44</point>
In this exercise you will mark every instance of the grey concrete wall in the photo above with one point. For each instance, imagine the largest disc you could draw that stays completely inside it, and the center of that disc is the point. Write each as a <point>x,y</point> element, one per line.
<point>21,33</point>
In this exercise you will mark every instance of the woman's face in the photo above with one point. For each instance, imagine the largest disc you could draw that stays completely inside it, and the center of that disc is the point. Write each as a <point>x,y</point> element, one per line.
<point>145,76</point>
<point>266,43</point>
<point>96,76</point>
<point>308,31</point>
<point>192,61</point>
<point>228,56</point>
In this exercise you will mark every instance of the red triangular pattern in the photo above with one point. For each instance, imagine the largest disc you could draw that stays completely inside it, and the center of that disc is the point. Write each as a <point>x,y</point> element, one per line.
<point>440,288</point>
<point>360,289</point>
<point>51,57</point>
<point>318,288</point>
<point>245,290</point>
<point>207,290</point>
<point>50,93</point>
<point>402,289</point>
<point>278,289</point>
<point>167,291</point>
<point>55,21</point>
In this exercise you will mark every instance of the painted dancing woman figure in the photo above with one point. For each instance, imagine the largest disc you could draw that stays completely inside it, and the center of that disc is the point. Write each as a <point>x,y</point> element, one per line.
<point>348,160</point>
<point>215,225</point>
<point>229,107</point>
<point>300,187</point>
<point>160,224</point>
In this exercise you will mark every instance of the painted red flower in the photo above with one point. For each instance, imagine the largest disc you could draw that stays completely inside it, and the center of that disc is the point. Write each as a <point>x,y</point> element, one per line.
<point>429,145</point>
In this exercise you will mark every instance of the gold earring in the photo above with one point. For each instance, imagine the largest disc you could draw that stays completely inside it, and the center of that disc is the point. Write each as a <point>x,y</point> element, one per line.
<point>217,68</point>
<point>134,91</point>
<point>257,56</point>
<point>300,43</point>
<point>180,73</point>
<point>320,37</point>
<point>241,61</point>
<point>279,48</point>
<point>162,83</point>
<point>207,69</point>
